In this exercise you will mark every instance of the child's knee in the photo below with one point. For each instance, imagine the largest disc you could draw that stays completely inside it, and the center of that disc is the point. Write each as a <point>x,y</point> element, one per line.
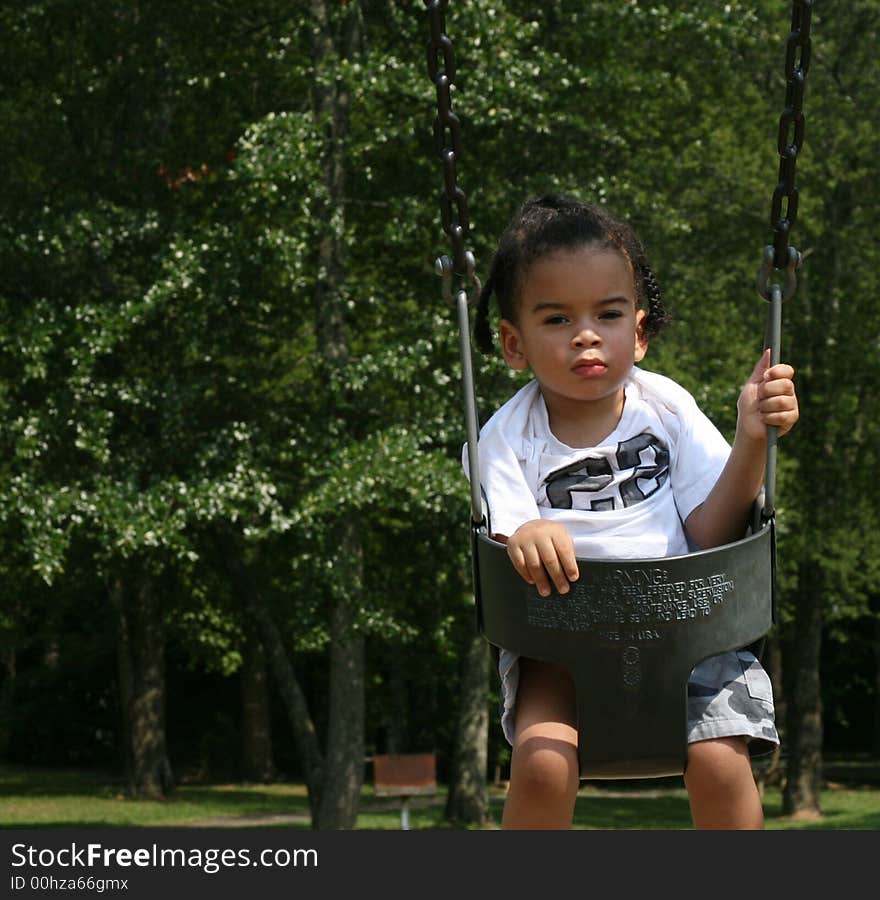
<point>721,787</point>
<point>545,765</point>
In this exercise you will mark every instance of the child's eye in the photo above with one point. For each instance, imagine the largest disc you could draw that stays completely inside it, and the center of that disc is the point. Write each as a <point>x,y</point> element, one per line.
<point>556,320</point>
<point>611,314</point>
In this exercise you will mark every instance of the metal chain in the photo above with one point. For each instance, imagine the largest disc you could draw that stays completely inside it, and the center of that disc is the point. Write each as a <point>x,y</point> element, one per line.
<point>781,255</point>
<point>447,141</point>
<point>789,144</point>
<point>456,224</point>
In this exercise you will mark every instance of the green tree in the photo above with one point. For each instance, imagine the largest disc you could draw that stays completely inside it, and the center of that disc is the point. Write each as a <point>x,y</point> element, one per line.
<point>229,385</point>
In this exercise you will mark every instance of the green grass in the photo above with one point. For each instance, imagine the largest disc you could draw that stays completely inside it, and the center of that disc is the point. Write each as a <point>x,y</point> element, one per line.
<point>50,798</point>
<point>63,798</point>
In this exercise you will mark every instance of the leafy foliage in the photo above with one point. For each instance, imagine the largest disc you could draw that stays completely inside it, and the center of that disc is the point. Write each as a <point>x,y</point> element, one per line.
<point>158,364</point>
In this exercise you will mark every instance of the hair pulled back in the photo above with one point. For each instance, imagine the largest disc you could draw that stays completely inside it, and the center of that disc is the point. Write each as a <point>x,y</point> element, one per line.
<point>548,224</point>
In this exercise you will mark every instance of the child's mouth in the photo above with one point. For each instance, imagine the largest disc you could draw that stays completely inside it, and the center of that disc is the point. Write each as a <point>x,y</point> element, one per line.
<point>590,368</point>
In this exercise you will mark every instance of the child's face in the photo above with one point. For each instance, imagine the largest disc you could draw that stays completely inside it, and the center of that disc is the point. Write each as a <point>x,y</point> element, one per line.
<point>578,327</point>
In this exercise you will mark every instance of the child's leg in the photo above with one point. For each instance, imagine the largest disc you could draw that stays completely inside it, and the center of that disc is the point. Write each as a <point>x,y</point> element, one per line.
<point>721,787</point>
<point>544,763</point>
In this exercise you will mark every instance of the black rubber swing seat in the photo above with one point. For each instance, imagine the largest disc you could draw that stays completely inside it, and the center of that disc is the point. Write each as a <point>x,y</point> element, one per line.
<point>630,632</point>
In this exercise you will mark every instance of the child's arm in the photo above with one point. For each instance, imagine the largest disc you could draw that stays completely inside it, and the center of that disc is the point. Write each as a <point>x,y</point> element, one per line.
<point>539,548</point>
<point>768,398</point>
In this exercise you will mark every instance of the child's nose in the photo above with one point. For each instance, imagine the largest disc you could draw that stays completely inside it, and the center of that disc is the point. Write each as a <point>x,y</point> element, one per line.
<point>586,337</point>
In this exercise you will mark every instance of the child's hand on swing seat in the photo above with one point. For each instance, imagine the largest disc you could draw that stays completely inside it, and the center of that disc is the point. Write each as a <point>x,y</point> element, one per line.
<point>540,548</point>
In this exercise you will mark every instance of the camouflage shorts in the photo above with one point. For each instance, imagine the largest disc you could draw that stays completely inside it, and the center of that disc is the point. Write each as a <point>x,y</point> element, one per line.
<point>728,696</point>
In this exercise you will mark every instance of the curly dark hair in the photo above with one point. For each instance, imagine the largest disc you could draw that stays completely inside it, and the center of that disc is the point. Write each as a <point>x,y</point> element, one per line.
<point>556,222</point>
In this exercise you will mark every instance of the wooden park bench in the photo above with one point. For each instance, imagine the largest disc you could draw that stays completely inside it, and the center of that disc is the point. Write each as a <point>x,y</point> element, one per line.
<point>405,775</point>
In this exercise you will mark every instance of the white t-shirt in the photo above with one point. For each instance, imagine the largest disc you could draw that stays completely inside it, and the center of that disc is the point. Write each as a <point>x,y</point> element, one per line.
<point>626,498</point>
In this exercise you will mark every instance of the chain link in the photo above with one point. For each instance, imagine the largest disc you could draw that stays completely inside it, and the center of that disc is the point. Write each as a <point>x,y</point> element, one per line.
<point>784,207</point>
<point>447,141</point>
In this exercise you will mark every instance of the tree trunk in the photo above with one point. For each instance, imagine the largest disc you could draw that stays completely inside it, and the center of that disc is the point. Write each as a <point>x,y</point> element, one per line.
<point>257,763</point>
<point>7,694</point>
<point>804,702</point>
<point>255,607</point>
<point>395,713</point>
<point>344,769</point>
<point>875,733</point>
<point>818,462</point>
<point>771,659</point>
<point>468,801</point>
<point>141,658</point>
<point>125,674</point>
<point>334,38</point>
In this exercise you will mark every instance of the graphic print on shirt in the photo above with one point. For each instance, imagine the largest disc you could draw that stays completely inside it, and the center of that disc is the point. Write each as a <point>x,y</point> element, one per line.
<point>632,473</point>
